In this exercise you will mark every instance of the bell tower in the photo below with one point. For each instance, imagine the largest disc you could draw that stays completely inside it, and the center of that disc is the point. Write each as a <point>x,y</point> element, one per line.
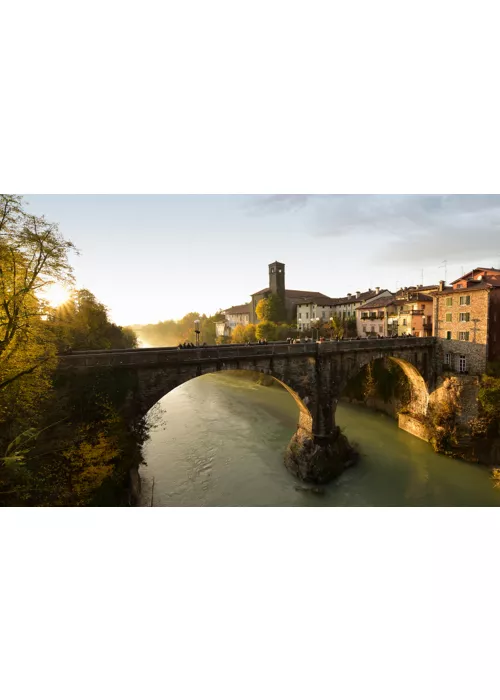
<point>277,279</point>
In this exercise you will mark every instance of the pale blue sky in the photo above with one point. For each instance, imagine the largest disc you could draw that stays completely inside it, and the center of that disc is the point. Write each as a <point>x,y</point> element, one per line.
<point>154,257</point>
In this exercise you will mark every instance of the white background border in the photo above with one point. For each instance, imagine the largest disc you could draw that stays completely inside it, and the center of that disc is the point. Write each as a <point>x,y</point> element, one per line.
<point>238,97</point>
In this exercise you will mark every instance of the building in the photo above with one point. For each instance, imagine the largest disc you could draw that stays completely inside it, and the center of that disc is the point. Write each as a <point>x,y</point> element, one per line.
<point>467,320</point>
<point>310,311</point>
<point>313,309</point>
<point>372,318</point>
<point>291,298</point>
<point>345,307</point>
<point>408,311</point>
<point>414,315</point>
<point>235,316</point>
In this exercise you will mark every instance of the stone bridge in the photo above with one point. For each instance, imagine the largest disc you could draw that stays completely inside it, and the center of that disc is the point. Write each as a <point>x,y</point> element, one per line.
<point>315,374</point>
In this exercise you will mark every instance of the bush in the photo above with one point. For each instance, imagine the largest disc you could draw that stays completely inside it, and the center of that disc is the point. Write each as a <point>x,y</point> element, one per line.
<point>266,330</point>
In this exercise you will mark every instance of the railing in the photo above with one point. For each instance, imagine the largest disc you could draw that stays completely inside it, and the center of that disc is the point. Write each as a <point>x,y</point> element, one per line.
<point>175,356</point>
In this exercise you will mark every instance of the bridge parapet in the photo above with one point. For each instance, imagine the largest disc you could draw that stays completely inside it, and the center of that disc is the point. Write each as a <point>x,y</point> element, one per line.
<point>152,356</point>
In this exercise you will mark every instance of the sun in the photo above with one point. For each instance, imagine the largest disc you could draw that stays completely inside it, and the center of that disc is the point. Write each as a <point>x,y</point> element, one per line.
<point>57,295</point>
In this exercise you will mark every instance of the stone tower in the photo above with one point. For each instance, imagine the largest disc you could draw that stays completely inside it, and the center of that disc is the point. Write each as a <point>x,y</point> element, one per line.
<point>277,279</point>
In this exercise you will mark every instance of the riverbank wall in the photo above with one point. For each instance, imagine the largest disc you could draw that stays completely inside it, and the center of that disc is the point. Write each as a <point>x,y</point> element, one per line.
<point>412,425</point>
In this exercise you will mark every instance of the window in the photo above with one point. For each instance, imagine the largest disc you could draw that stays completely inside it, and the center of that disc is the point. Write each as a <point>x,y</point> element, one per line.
<point>465,301</point>
<point>448,335</point>
<point>463,335</point>
<point>447,359</point>
<point>462,363</point>
<point>307,316</point>
<point>465,317</point>
<point>272,270</point>
<point>449,301</point>
<point>280,270</point>
<point>300,316</point>
<point>381,329</point>
<point>373,329</point>
<point>449,318</point>
<point>404,322</point>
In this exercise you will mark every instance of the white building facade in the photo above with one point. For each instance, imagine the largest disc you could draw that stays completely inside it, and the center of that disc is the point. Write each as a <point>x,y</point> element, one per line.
<point>235,316</point>
<point>311,311</point>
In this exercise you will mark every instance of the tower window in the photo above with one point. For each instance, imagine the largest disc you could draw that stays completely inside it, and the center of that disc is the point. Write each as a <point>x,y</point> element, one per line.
<point>272,270</point>
<point>280,270</point>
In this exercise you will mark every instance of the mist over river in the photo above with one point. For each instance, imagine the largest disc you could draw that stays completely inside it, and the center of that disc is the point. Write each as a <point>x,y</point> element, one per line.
<point>219,440</point>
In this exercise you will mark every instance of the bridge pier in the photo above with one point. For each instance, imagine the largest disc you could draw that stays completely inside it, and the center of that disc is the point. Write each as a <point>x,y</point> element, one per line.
<point>318,458</point>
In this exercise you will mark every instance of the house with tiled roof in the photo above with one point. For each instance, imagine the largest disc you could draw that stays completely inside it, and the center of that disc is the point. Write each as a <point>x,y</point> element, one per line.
<point>311,311</point>
<point>409,311</point>
<point>467,320</point>
<point>234,316</point>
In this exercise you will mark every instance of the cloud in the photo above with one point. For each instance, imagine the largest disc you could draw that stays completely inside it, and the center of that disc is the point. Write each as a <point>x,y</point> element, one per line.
<point>278,203</point>
<point>427,227</point>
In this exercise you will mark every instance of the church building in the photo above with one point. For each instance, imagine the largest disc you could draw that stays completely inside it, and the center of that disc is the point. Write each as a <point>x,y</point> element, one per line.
<point>290,298</point>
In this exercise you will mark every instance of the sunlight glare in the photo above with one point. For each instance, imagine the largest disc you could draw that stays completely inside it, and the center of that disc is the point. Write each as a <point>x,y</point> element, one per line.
<point>57,294</point>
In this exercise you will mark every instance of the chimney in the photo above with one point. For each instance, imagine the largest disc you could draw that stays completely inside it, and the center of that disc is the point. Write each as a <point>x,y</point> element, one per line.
<point>357,294</point>
<point>349,296</point>
<point>377,290</point>
<point>441,285</point>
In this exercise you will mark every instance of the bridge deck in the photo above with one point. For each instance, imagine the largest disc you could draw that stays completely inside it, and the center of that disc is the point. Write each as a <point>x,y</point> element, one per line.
<point>149,356</point>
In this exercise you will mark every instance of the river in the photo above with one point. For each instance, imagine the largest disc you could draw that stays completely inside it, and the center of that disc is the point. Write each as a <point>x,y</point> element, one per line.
<point>219,440</point>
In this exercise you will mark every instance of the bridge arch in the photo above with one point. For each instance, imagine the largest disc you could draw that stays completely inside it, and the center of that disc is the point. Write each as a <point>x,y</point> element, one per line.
<point>418,386</point>
<point>154,386</point>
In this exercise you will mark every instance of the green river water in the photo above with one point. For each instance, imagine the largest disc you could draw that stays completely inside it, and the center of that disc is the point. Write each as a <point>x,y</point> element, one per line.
<point>219,440</point>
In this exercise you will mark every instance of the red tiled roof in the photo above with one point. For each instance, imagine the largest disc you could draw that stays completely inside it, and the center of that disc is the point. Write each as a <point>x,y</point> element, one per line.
<point>378,303</point>
<point>476,269</point>
<point>484,284</point>
<point>242,309</point>
<point>295,294</point>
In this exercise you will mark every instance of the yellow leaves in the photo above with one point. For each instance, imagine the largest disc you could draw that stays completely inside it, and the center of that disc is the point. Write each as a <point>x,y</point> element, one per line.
<point>91,461</point>
<point>495,475</point>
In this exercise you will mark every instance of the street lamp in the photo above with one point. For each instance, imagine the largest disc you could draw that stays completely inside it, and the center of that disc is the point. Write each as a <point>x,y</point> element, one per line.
<point>317,327</point>
<point>331,327</point>
<point>197,331</point>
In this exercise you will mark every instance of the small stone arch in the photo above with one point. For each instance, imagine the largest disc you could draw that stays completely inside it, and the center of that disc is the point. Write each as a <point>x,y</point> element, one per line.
<point>419,391</point>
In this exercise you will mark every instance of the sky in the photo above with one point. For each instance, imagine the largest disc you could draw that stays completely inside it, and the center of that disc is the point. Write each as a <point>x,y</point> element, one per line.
<point>149,258</point>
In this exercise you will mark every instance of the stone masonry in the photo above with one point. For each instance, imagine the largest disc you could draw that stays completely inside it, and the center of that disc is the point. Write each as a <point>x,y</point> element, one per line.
<point>314,374</point>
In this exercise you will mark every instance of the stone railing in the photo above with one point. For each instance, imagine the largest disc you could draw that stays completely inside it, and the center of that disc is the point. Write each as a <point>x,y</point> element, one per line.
<point>170,355</point>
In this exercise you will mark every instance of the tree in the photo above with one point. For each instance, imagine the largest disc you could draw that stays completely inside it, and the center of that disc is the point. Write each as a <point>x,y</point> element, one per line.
<point>271,309</point>
<point>250,333</point>
<point>238,335</point>
<point>83,324</point>
<point>338,327</point>
<point>266,330</point>
<point>33,254</point>
<point>285,330</point>
<point>174,332</point>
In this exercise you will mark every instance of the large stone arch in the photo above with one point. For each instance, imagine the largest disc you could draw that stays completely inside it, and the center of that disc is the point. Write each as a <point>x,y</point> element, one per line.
<point>317,451</point>
<point>154,383</point>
